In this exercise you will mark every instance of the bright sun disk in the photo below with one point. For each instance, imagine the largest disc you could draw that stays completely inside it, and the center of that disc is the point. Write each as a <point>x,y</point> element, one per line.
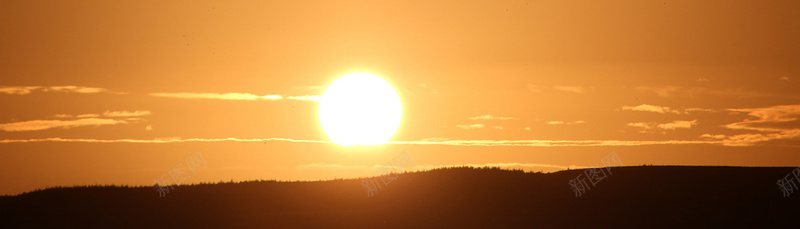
<point>360,109</point>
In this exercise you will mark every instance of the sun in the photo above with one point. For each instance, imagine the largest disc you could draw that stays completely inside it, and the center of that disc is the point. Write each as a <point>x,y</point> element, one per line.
<point>360,109</point>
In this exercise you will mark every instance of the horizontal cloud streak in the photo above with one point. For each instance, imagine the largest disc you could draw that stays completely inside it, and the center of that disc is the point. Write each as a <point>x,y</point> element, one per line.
<point>232,96</point>
<point>675,91</point>
<point>113,114</point>
<point>767,115</point>
<point>562,122</point>
<point>687,110</point>
<point>24,90</point>
<point>76,89</point>
<point>677,125</point>
<point>552,143</point>
<point>650,108</point>
<point>158,140</point>
<point>531,143</point>
<point>541,88</point>
<point>305,97</point>
<point>49,124</point>
<point>751,139</point>
<point>223,96</point>
<point>18,90</point>
<point>471,126</point>
<point>136,113</point>
<point>716,136</point>
<point>491,117</point>
<point>767,124</point>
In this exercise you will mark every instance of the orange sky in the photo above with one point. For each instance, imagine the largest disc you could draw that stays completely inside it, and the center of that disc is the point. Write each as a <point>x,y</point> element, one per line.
<point>110,92</point>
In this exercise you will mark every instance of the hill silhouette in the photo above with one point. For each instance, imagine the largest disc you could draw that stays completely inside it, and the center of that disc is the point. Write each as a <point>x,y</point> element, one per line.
<point>631,197</point>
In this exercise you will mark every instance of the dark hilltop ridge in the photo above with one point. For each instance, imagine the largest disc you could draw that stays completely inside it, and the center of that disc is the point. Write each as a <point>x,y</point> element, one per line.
<point>629,197</point>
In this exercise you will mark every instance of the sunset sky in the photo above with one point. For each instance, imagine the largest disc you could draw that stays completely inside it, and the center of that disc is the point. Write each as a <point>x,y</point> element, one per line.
<point>118,92</point>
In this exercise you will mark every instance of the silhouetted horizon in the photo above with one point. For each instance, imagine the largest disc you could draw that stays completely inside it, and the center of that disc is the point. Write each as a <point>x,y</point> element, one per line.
<point>463,197</point>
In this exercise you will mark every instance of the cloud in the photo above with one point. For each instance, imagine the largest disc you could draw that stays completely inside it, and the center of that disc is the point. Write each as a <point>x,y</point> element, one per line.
<point>77,116</point>
<point>18,90</point>
<point>49,124</point>
<point>562,122</point>
<point>435,139</point>
<point>159,140</point>
<point>784,78</point>
<point>768,124</point>
<point>233,96</point>
<point>223,96</point>
<point>570,89</point>
<point>764,124</point>
<point>646,126</point>
<point>490,117</point>
<point>541,88</point>
<point>126,113</point>
<point>487,143</point>
<point>766,116</point>
<point>87,116</point>
<point>716,136</point>
<point>113,114</point>
<point>664,126</point>
<point>671,91</point>
<point>305,97</point>
<point>471,126</point>
<point>76,89</point>
<point>650,108</point>
<point>687,110</point>
<point>271,97</point>
<point>527,128</point>
<point>79,121</point>
<point>552,143</point>
<point>677,125</point>
<point>752,139</point>
<point>24,90</point>
<point>663,109</point>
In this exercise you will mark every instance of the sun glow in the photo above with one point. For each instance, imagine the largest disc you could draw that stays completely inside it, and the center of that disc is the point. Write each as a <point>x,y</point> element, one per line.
<point>360,109</point>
